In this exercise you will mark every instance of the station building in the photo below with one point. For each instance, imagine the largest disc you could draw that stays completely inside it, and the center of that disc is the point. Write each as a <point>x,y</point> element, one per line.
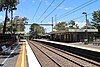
<point>74,35</point>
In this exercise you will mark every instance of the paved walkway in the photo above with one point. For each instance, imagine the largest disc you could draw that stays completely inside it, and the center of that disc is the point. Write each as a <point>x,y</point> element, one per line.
<point>21,60</point>
<point>32,60</point>
<point>26,57</point>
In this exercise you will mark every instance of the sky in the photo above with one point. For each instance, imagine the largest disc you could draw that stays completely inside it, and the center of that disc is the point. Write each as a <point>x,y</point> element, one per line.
<point>64,12</point>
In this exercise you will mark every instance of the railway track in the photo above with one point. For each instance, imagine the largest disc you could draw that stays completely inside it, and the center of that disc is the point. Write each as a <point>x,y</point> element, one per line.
<point>62,58</point>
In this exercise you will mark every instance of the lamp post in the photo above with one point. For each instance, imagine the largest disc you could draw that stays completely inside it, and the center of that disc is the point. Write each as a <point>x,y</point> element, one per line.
<point>86,40</point>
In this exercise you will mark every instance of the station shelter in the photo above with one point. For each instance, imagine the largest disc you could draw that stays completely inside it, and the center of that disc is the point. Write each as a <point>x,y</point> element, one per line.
<point>74,35</point>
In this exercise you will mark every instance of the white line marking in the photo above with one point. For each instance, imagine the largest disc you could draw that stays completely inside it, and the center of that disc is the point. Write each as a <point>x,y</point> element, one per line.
<point>9,55</point>
<point>32,60</point>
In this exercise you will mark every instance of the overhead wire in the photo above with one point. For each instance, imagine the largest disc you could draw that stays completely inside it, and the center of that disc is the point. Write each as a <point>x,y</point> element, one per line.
<point>81,16</point>
<point>53,10</point>
<point>45,10</point>
<point>37,9</point>
<point>76,7</point>
<point>78,17</point>
<point>70,12</point>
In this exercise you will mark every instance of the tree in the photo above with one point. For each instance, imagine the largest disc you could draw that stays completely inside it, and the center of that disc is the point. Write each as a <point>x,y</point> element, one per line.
<point>96,19</point>
<point>7,5</point>
<point>36,30</point>
<point>72,25</point>
<point>60,26</point>
<point>96,16</point>
<point>72,22</point>
<point>19,23</point>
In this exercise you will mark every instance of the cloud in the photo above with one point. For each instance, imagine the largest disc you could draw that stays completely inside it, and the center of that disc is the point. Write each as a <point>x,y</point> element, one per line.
<point>63,7</point>
<point>23,0</point>
<point>66,8</point>
<point>46,2</point>
<point>33,1</point>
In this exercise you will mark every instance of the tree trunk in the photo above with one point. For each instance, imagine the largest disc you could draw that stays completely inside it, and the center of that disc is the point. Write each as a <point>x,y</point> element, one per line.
<point>6,17</point>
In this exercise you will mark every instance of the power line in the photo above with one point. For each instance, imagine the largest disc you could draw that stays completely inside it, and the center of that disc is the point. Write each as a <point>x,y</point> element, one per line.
<point>78,17</point>
<point>81,16</point>
<point>46,10</point>
<point>53,10</point>
<point>37,9</point>
<point>76,8</point>
<point>70,12</point>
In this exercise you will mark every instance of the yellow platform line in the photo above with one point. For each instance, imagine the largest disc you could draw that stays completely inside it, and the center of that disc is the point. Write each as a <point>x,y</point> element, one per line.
<point>23,56</point>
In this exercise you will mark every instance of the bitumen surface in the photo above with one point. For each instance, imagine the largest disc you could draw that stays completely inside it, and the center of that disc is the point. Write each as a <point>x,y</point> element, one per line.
<point>9,60</point>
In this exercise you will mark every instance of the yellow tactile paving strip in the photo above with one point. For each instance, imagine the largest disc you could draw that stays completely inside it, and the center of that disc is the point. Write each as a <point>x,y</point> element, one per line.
<point>21,61</point>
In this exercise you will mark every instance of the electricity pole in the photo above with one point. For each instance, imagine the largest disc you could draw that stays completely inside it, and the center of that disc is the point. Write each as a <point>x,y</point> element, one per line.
<point>52,24</point>
<point>86,31</point>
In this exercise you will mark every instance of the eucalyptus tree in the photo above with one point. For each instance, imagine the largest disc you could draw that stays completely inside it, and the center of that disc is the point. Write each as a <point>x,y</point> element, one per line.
<point>96,19</point>
<point>36,30</point>
<point>7,5</point>
<point>19,23</point>
<point>73,25</point>
<point>60,26</point>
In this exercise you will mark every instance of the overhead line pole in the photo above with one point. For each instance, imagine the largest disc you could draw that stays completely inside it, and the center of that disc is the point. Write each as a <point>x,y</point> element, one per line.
<point>55,18</point>
<point>52,24</point>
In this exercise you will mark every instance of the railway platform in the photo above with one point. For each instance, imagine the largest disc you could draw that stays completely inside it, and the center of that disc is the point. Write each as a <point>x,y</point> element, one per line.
<point>20,56</point>
<point>80,45</point>
<point>90,51</point>
<point>23,56</point>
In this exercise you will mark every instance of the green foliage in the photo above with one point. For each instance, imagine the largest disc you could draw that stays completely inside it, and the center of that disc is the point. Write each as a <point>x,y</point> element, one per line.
<point>66,26</point>
<point>19,23</point>
<point>7,3</point>
<point>96,16</point>
<point>37,29</point>
<point>72,22</point>
<point>60,26</point>
<point>96,19</point>
<point>72,25</point>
